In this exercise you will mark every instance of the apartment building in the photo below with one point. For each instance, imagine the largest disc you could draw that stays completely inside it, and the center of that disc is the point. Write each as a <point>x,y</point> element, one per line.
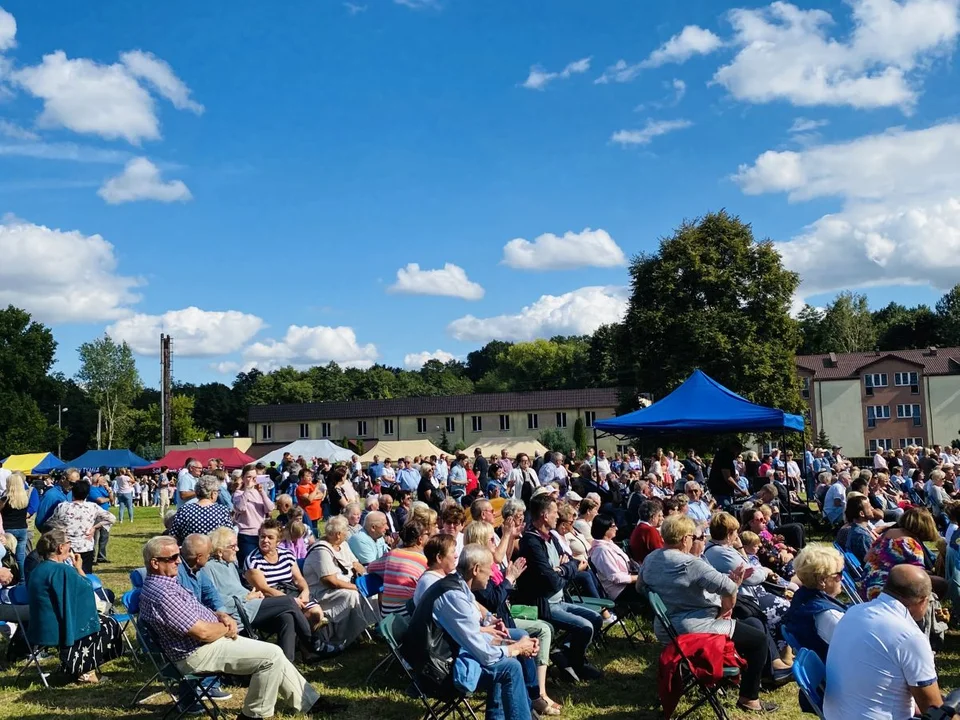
<point>889,399</point>
<point>463,418</point>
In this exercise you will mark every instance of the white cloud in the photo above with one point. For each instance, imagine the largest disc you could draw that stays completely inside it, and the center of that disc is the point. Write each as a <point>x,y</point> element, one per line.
<point>227,367</point>
<point>307,346</point>
<point>449,281</point>
<point>140,180</point>
<point>61,276</point>
<point>415,361</point>
<point>418,4</point>
<point>64,151</point>
<point>786,54</point>
<point>538,79</point>
<point>8,30</point>
<point>690,41</point>
<point>15,132</point>
<point>195,332</point>
<point>590,248</point>
<point>653,128</point>
<point>574,313</point>
<point>160,76</point>
<point>680,88</point>
<point>804,125</point>
<point>354,8</point>
<point>900,218</point>
<point>106,100</point>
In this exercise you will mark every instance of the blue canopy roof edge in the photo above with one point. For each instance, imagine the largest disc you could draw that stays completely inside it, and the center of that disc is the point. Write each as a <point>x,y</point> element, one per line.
<point>49,463</point>
<point>108,458</point>
<point>701,404</point>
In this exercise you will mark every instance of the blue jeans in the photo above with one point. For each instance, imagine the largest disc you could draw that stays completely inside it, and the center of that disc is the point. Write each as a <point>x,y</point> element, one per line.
<point>246,544</point>
<point>581,623</point>
<point>21,536</point>
<point>506,693</point>
<point>587,582</point>
<point>529,665</point>
<point>124,500</point>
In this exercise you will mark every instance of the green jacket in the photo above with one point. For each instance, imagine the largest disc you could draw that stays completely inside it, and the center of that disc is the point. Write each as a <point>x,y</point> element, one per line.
<point>62,605</point>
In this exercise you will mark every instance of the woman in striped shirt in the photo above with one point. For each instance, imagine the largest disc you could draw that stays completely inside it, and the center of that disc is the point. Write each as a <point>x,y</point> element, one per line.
<point>402,567</point>
<point>273,570</point>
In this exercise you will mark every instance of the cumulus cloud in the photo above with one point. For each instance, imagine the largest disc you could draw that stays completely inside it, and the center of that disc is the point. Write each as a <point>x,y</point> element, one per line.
<point>900,219</point>
<point>140,180</point>
<point>538,79</point>
<point>15,132</point>
<point>692,40</point>
<point>195,332</point>
<point>786,53</point>
<point>574,313</point>
<point>64,151</point>
<point>590,248</point>
<point>653,129</point>
<point>308,346</point>
<point>8,31</point>
<point>85,96</point>
<point>415,361</point>
<point>804,125</point>
<point>449,281</point>
<point>61,276</point>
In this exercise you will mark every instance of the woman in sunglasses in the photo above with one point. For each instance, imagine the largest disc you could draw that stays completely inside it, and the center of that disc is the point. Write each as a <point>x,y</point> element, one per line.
<point>815,611</point>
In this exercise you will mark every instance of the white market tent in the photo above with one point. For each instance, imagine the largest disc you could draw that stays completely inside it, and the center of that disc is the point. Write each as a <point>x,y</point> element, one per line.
<point>310,449</point>
<point>513,446</point>
<point>400,448</point>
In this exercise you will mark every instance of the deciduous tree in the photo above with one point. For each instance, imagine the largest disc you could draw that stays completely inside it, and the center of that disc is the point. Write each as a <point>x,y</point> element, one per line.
<point>109,374</point>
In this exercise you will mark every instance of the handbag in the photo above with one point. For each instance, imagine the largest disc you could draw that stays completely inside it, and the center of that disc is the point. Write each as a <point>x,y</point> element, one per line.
<point>524,612</point>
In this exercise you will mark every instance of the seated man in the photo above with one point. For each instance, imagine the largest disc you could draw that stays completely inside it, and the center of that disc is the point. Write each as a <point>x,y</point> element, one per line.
<point>880,662</point>
<point>368,544</point>
<point>449,604</point>
<point>542,584</point>
<point>200,641</point>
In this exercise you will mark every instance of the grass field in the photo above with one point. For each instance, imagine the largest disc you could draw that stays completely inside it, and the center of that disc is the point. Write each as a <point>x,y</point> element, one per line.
<point>628,689</point>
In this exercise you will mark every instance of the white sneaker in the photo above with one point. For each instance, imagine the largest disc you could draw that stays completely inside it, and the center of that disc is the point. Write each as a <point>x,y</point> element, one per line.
<point>610,620</point>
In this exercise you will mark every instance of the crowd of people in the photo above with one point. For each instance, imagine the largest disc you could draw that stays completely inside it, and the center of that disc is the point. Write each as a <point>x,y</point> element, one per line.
<point>493,562</point>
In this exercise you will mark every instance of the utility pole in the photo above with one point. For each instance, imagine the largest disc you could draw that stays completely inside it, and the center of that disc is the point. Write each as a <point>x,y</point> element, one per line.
<point>60,411</point>
<point>165,390</point>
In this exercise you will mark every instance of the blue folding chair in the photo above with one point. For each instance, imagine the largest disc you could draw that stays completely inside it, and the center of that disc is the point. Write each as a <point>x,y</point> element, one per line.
<point>853,565</point>
<point>131,603</point>
<point>850,588</point>
<point>789,638</point>
<point>369,585</point>
<point>811,676</point>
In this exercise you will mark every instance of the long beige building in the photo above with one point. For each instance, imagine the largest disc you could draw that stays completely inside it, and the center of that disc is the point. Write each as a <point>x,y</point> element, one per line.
<point>889,399</point>
<point>464,418</point>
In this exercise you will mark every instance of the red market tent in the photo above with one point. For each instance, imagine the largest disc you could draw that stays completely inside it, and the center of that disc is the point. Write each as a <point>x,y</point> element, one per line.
<point>176,459</point>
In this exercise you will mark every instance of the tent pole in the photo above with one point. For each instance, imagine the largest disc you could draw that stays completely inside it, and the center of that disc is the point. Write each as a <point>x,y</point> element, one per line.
<point>596,450</point>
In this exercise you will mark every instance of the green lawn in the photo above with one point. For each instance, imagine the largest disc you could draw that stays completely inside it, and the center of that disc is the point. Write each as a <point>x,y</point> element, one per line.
<point>628,689</point>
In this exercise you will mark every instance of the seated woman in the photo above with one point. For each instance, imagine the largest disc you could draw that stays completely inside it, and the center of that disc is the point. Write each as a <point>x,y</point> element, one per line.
<point>699,599</point>
<point>276,614</point>
<point>902,544</point>
<point>402,567</point>
<point>774,553</point>
<point>63,611</point>
<point>579,545</point>
<point>353,512</point>
<point>330,570</point>
<point>815,611</point>
<point>617,572</point>
<point>494,598</point>
<point>275,573</point>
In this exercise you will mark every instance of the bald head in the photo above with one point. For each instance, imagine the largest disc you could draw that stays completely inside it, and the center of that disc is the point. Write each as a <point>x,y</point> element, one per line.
<point>195,550</point>
<point>911,586</point>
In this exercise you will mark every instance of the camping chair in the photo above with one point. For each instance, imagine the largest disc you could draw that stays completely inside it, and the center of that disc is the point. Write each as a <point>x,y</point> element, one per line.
<point>392,628</point>
<point>173,679</point>
<point>369,585</point>
<point>850,588</point>
<point>622,610</point>
<point>19,596</point>
<point>853,566</point>
<point>691,681</point>
<point>246,626</point>
<point>811,676</point>
<point>131,603</point>
<point>571,594</point>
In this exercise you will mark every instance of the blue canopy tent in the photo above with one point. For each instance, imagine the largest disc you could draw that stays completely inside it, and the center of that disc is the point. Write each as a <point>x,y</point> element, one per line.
<point>108,458</point>
<point>701,405</point>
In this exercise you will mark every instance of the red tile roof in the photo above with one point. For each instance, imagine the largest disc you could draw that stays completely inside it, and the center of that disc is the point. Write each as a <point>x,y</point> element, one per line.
<point>938,361</point>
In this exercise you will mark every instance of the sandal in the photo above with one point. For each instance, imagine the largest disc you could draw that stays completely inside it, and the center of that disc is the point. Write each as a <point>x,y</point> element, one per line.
<point>542,707</point>
<point>765,707</point>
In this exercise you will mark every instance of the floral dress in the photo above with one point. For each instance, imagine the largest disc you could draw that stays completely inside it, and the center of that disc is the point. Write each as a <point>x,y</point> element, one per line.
<point>769,554</point>
<point>883,555</point>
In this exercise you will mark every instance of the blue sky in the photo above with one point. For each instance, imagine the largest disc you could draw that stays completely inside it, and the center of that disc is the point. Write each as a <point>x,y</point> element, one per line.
<point>253,180</point>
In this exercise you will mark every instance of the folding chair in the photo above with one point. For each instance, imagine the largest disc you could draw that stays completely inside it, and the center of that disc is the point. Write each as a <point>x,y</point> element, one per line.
<point>393,627</point>
<point>789,638</point>
<point>131,603</point>
<point>173,679</point>
<point>246,626</point>
<point>622,610</point>
<point>20,596</point>
<point>571,594</point>
<point>850,588</point>
<point>708,695</point>
<point>811,677</point>
<point>853,566</point>
<point>369,585</point>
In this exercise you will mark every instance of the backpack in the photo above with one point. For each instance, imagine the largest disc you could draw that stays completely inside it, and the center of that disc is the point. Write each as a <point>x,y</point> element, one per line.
<point>427,647</point>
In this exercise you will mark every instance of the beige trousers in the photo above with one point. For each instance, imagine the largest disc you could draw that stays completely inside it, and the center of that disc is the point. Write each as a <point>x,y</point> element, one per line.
<point>272,676</point>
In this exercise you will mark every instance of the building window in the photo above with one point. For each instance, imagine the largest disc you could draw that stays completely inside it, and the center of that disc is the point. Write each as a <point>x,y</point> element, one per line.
<point>908,442</point>
<point>589,417</point>
<point>533,421</point>
<point>421,425</point>
<point>805,389</point>
<point>266,432</point>
<point>622,449</point>
<point>504,423</point>
<point>325,430</point>
<point>769,447</point>
<point>902,379</point>
<point>304,430</point>
<point>388,426</point>
<point>450,424</point>
<point>884,443</point>
<point>877,412</point>
<point>361,428</point>
<point>874,380</point>
<point>477,422</point>
<point>561,419</point>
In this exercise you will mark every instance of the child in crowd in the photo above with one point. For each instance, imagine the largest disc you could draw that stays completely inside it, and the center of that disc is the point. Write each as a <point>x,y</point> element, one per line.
<point>296,538</point>
<point>751,546</point>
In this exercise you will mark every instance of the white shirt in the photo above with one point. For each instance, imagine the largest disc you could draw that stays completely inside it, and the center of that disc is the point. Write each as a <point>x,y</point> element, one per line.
<point>4,474</point>
<point>837,491</point>
<point>878,652</point>
<point>879,462</point>
<point>603,467</point>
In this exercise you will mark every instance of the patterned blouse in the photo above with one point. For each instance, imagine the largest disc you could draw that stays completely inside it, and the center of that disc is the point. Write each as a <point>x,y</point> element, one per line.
<point>196,518</point>
<point>77,519</point>
<point>883,555</point>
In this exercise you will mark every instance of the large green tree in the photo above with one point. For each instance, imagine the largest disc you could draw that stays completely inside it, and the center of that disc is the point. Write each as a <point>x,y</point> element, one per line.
<point>109,374</point>
<point>712,298</point>
<point>848,324</point>
<point>948,316</point>
<point>26,354</point>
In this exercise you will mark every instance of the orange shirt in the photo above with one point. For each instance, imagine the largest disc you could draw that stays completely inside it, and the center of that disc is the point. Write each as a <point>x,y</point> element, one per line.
<point>312,508</point>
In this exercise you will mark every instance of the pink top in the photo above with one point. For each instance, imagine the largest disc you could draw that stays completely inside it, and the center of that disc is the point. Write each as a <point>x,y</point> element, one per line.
<point>298,547</point>
<point>251,507</point>
<point>613,566</point>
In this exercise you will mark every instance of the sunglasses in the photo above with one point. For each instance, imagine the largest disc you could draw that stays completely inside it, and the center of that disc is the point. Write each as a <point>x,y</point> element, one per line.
<point>168,558</point>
